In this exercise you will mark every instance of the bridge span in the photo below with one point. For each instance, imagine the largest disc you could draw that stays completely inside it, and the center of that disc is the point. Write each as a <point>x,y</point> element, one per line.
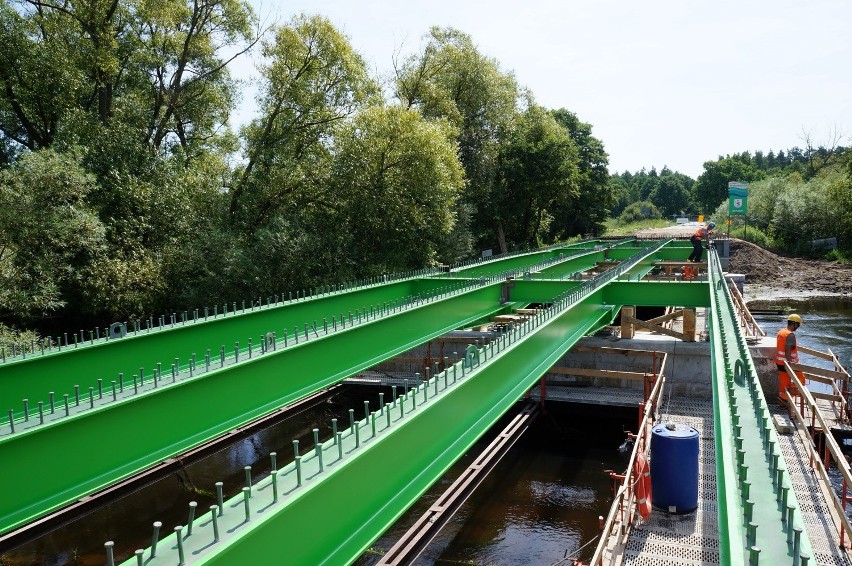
<point>110,408</point>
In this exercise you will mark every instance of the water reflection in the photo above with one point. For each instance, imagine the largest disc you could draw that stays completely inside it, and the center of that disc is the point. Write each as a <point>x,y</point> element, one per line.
<point>541,502</point>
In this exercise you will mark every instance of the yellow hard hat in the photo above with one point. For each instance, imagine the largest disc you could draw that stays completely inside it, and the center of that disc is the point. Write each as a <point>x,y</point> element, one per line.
<point>794,318</point>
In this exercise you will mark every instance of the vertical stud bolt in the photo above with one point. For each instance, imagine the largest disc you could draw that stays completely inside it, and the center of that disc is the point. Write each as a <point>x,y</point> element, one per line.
<point>214,514</point>
<point>191,519</point>
<point>179,537</point>
<point>318,448</point>
<point>108,546</point>
<point>248,479</point>
<point>274,455</point>
<point>274,487</point>
<point>155,538</point>
<point>338,439</point>
<point>140,557</point>
<point>12,418</point>
<point>246,503</point>
<point>220,499</point>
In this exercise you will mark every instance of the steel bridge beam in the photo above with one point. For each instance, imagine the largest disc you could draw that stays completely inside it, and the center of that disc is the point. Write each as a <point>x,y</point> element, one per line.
<point>58,371</point>
<point>107,443</point>
<point>757,509</point>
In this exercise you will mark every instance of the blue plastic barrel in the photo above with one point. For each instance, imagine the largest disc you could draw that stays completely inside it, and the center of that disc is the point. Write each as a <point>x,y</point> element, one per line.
<point>674,467</point>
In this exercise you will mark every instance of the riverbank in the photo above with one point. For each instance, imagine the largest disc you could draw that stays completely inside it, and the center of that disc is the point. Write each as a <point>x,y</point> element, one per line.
<point>772,278</point>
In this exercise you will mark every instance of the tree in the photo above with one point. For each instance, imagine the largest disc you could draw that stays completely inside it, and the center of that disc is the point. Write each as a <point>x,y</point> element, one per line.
<point>538,176</point>
<point>451,79</point>
<point>48,234</point>
<point>595,192</point>
<point>312,81</point>
<point>672,193</point>
<point>157,68</point>
<point>396,178</point>
<point>711,187</point>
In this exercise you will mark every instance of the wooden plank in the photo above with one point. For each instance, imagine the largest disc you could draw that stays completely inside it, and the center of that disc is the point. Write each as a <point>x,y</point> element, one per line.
<point>659,329</point>
<point>592,372</point>
<point>671,316</point>
<point>830,374</point>
<point>827,397</point>
<point>817,353</point>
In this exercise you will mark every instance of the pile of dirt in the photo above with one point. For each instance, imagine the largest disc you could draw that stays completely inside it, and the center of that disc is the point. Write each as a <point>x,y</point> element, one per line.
<point>771,276</point>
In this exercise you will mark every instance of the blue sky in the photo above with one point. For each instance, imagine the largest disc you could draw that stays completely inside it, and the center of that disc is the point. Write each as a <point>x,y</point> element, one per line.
<point>663,82</point>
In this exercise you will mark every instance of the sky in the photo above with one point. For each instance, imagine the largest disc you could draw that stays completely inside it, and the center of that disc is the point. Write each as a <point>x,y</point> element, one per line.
<point>662,82</point>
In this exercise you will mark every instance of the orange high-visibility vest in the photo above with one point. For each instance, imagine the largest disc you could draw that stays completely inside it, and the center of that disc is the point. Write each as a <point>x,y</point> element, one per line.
<point>781,348</point>
<point>700,233</point>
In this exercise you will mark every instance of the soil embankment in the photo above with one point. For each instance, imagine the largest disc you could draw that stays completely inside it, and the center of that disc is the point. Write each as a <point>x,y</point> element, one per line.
<point>771,277</point>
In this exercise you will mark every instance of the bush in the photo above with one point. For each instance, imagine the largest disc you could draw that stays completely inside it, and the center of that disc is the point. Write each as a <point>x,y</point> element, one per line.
<point>642,210</point>
<point>753,235</point>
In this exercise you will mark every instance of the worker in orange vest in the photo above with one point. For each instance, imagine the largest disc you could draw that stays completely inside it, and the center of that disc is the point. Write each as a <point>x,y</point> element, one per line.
<point>785,351</point>
<point>700,235</point>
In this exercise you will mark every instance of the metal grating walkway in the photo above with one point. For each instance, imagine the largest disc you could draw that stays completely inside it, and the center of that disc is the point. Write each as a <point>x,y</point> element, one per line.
<point>692,539</point>
<point>816,515</point>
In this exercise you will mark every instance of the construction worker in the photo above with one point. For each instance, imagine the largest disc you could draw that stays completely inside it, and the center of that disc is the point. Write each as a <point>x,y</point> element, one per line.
<point>700,235</point>
<point>785,351</point>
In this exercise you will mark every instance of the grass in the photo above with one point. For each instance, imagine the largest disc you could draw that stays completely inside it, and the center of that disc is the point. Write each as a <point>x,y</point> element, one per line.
<point>613,228</point>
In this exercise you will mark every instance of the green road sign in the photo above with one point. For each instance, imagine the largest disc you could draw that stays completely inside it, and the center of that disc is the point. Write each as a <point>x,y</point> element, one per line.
<point>737,198</point>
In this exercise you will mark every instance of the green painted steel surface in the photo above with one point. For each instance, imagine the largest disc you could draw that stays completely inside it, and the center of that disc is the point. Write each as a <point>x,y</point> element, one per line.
<point>101,446</point>
<point>658,293</point>
<point>414,455</point>
<point>514,263</point>
<point>36,376</point>
<point>750,489</point>
<point>409,457</point>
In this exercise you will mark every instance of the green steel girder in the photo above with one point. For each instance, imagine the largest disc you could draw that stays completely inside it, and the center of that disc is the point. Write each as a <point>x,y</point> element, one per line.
<point>513,263</point>
<point>658,293</point>
<point>669,252</point>
<point>537,291</point>
<point>36,376</point>
<point>332,522</point>
<point>751,491</point>
<point>572,265</point>
<point>409,459</point>
<point>98,447</point>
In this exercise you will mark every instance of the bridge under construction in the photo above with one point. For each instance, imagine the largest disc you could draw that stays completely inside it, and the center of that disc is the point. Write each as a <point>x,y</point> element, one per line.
<point>92,410</point>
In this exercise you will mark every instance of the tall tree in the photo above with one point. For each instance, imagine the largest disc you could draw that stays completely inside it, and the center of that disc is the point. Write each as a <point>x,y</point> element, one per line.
<point>312,81</point>
<point>395,181</point>
<point>711,187</point>
<point>451,79</point>
<point>538,176</point>
<point>596,196</point>
<point>48,235</point>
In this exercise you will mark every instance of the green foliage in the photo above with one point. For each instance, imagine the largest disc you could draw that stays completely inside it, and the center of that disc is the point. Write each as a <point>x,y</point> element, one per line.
<point>395,182</point>
<point>639,211</point>
<point>312,81</point>
<point>23,339</point>
<point>596,195</point>
<point>791,211</point>
<point>48,234</point>
<point>538,177</point>
<point>753,235</point>
<point>711,187</point>
<point>451,79</point>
